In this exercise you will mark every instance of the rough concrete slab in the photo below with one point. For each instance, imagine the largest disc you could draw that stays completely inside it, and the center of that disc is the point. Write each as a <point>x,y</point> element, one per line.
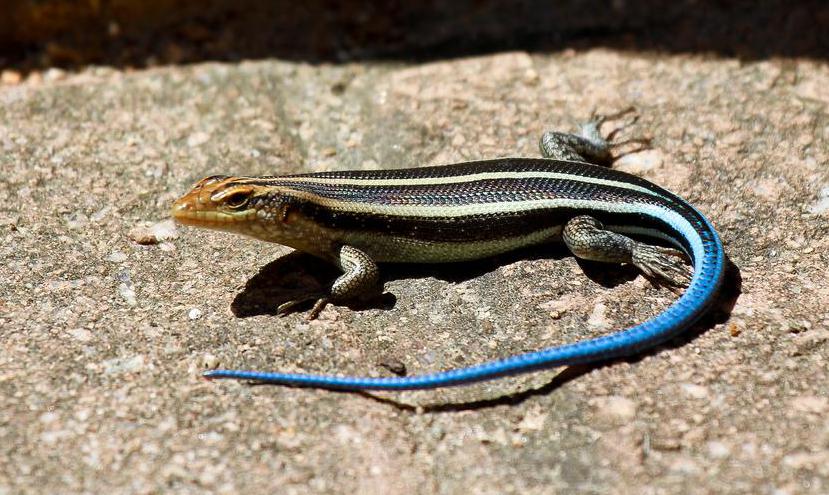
<point>103,338</point>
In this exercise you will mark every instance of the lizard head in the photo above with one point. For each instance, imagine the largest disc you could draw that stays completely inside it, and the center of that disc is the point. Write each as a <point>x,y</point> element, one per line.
<point>231,204</point>
<point>251,206</point>
<point>215,202</point>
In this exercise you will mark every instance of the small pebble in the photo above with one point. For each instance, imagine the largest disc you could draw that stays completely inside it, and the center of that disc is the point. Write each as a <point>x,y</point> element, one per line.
<point>640,163</point>
<point>810,404</point>
<point>54,74</point>
<point>822,204</point>
<point>194,314</point>
<point>124,364</point>
<point>534,420</point>
<point>49,417</point>
<point>80,334</point>
<point>153,234</point>
<point>126,288</point>
<point>143,236</point>
<point>209,361</point>
<point>394,365</point>
<point>805,460</point>
<point>718,450</point>
<point>598,318</point>
<point>615,408</point>
<point>102,213</point>
<point>117,257</point>
<point>197,139</point>
<point>695,391</point>
<point>77,220</point>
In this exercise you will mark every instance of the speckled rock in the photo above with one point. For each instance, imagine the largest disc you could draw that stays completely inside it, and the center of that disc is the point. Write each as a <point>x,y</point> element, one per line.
<point>104,338</point>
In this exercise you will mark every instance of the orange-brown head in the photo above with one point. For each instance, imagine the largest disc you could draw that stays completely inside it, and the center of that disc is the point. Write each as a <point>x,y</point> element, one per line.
<point>218,202</point>
<point>248,206</point>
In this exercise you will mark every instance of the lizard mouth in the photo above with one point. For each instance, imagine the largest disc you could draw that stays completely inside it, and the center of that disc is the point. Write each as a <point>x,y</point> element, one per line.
<point>185,212</point>
<point>183,215</point>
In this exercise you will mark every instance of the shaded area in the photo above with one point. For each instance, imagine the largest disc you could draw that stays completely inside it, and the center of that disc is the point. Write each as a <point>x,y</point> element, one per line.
<point>567,374</point>
<point>43,33</point>
<point>294,276</point>
<point>727,299</point>
<point>299,273</point>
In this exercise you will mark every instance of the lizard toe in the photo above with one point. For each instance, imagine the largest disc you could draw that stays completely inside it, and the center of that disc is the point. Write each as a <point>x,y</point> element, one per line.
<point>662,263</point>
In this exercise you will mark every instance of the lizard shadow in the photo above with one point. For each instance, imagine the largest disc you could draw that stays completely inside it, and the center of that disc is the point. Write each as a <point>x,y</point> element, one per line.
<point>723,306</point>
<point>297,274</point>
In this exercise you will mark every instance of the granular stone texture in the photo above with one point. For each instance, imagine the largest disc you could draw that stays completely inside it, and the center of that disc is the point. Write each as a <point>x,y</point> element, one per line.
<point>108,313</point>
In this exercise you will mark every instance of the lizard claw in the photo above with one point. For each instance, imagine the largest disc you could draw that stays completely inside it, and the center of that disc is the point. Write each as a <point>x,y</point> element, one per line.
<point>317,309</point>
<point>289,307</point>
<point>598,119</point>
<point>596,122</point>
<point>664,264</point>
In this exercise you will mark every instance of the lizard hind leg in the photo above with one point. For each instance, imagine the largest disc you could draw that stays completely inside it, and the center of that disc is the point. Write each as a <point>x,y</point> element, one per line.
<point>587,239</point>
<point>588,144</point>
<point>575,148</point>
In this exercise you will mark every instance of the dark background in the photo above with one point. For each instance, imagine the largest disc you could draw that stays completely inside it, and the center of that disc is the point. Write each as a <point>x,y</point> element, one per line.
<point>70,33</point>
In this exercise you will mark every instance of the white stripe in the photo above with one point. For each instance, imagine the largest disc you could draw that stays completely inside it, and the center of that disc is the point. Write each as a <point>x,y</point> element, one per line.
<point>455,179</point>
<point>644,231</point>
<point>452,211</point>
<point>670,217</point>
<point>384,248</point>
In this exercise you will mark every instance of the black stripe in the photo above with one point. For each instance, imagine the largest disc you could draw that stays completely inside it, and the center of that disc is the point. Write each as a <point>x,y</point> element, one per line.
<point>474,228</point>
<point>479,227</point>
<point>466,193</point>
<point>440,229</point>
<point>484,166</point>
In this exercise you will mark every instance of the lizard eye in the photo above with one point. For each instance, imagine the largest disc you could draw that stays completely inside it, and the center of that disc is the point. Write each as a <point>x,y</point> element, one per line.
<point>237,199</point>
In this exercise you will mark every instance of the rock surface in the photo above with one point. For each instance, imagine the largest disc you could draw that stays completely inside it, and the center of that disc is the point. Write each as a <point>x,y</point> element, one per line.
<point>104,338</point>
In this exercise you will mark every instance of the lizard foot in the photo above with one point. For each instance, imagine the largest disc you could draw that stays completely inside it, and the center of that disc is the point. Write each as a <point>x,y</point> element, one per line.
<point>664,264</point>
<point>289,307</point>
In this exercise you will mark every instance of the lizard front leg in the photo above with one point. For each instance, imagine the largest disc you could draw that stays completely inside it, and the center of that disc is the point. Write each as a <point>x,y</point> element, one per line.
<point>360,277</point>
